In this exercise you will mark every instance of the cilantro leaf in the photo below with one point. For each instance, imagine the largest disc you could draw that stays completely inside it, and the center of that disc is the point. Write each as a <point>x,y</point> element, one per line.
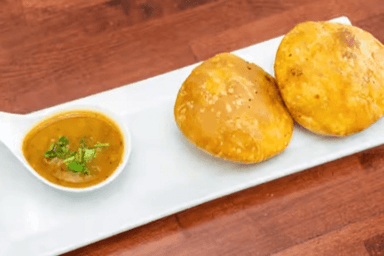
<point>50,154</point>
<point>58,149</point>
<point>62,152</point>
<point>76,167</point>
<point>63,141</point>
<point>80,155</point>
<point>101,145</point>
<point>70,159</point>
<point>89,154</point>
<point>76,160</point>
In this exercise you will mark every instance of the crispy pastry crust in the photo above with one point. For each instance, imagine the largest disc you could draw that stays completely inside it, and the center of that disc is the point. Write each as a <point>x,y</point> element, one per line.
<point>331,77</point>
<point>232,109</point>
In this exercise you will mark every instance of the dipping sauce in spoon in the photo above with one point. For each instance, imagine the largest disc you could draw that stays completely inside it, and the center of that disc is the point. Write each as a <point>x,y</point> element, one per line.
<point>75,149</point>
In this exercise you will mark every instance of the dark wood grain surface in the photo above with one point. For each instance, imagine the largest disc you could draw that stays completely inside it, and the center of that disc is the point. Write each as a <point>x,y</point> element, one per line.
<point>54,51</point>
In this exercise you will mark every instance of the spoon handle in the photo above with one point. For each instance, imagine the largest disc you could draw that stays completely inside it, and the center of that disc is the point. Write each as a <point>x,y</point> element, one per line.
<point>10,129</point>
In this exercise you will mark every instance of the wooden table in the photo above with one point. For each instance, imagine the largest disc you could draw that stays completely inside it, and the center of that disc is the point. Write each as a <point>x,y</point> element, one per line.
<point>53,51</point>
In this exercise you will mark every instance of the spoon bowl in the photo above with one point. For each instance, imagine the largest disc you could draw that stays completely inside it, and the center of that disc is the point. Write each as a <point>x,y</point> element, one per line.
<point>14,128</point>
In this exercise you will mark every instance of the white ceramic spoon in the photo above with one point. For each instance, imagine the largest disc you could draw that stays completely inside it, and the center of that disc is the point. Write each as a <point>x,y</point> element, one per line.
<point>14,127</point>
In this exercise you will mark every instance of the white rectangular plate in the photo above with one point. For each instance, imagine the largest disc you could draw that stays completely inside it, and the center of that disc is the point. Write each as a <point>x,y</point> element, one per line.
<point>165,173</point>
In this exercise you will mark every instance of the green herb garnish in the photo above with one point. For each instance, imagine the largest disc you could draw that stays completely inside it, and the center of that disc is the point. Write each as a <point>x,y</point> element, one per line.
<point>70,159</point>
<point>83,143</point>
<point>58,149</point>
<point>50,154</point>
<point>76,167</point>
<point>89,154</point>
<point>76,161</point>
<point>101,145</point>
<point>63,141</point>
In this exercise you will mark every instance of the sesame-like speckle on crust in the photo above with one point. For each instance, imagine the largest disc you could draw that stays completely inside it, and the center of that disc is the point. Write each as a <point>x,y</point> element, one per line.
<point>340,87</point>
<point>234,111</point>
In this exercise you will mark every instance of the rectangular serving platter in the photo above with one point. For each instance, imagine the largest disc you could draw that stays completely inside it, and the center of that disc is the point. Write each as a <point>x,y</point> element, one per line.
<point>165,173</point>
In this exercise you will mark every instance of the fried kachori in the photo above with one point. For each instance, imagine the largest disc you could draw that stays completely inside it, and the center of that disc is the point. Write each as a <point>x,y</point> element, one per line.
<point>331,77</point>
<point>232,109</point>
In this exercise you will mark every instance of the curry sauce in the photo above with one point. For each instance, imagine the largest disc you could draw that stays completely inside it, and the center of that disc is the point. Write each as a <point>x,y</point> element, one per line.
<point>75,126</point>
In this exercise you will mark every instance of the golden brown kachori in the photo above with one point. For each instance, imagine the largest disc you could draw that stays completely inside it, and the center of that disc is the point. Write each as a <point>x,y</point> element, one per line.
<point>232,109</point>
<point>331,77</point>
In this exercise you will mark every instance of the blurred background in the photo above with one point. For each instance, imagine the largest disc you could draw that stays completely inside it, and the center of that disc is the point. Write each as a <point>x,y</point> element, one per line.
<point>53,51</point>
